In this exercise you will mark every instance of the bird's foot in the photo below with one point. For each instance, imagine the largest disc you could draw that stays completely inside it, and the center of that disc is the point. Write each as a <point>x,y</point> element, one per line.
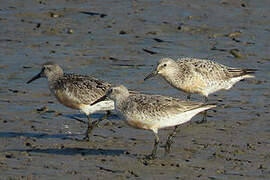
<point>150,157</point>
<point>167,147</point>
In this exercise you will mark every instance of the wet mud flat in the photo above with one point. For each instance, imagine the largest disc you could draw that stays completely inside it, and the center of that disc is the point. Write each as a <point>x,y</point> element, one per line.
<point>120,41</point>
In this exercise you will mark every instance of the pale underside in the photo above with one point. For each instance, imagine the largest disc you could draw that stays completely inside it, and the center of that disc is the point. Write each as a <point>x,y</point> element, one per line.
<point>154,123</point>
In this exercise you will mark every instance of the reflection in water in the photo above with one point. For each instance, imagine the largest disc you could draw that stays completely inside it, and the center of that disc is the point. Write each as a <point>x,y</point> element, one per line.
<point>73,151</point>
<point>35,135</point>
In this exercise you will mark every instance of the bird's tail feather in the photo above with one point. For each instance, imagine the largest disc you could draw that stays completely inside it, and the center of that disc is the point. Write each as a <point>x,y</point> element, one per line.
<point>243,72</point>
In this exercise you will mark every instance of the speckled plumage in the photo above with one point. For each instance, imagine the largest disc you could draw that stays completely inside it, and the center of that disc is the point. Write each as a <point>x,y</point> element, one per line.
<point>200,76</point>
<point>79,89</point>
<point>76,91</point>
<point>152,112</point>
<point>151,109</point>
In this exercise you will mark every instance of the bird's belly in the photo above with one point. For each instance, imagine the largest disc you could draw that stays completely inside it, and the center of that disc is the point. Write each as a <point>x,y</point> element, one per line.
<point>136,122</point>
<point>190,87</point>
<point>67,101</point>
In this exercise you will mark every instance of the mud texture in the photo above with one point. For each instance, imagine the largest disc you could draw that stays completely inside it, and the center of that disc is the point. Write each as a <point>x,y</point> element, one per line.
<point>120,41</point>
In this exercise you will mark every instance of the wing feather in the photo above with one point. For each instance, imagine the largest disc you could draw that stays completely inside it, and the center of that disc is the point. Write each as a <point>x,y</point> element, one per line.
<point>83,89</point>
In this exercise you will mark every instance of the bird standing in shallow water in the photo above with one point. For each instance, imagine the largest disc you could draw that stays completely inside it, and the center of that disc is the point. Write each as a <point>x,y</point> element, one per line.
<point>199,76</point>
<point>153,112</point>
<point>76,91</point>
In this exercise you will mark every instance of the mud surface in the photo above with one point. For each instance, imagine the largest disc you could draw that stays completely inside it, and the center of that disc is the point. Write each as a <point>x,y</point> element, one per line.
<point>120,41</point>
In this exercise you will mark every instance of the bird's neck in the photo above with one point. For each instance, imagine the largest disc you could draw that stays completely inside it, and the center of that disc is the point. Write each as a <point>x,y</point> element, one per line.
<point>55,77</point>
<point>53,80</point>
<point>170,75</point>
<point>121,101</point>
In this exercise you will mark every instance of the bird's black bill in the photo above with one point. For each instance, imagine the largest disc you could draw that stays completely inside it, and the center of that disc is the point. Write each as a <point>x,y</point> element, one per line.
<point>152,74</point>
<point>34,78</point>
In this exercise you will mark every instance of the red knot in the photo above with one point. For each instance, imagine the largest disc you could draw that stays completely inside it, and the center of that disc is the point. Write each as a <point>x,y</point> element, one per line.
<point>76,91</point>
<point>199,76</point>
<point>153,112</point>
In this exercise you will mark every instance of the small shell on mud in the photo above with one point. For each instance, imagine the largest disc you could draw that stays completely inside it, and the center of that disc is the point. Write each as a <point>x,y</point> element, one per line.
<point>70,31</point>
<point>236,53</point>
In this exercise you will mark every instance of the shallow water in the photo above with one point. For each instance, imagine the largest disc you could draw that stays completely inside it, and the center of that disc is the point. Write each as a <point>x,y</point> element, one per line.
<point>120,42</point>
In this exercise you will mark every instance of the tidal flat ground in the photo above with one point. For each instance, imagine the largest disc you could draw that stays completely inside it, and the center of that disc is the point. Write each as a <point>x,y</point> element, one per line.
<point>121,42</point>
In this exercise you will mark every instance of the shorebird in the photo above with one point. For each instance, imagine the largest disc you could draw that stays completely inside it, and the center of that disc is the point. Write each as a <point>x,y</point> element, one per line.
<point>153,112</point>
<point>76,91</point>
<point>199,76</point>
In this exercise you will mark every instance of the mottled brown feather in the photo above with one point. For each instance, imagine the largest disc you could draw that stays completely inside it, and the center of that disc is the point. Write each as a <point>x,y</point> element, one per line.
<point>78,89</point>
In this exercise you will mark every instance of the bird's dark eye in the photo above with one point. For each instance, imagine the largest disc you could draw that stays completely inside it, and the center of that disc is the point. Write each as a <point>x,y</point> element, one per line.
<point>110,91</point>
<point>164,65</point>
<point>47,68</point>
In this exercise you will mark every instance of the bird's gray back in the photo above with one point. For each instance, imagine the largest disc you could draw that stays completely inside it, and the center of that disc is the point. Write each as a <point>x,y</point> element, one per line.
<point>157,105</point>
<point>205,68</point>
<point>80,88</point>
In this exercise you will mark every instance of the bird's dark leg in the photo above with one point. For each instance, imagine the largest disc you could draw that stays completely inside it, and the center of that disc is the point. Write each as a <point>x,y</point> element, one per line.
<point>89,129</point>
<point>205,99</point>
<point>92,125</point>
<point>204,120</point>
<point>95,123</point>
<point>153,155</point>
<point>169,141</point>
<point>188,97</point>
